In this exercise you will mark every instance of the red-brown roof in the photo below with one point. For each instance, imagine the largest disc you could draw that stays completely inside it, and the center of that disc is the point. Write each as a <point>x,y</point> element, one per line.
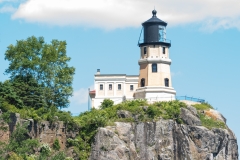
<point>92,92</point>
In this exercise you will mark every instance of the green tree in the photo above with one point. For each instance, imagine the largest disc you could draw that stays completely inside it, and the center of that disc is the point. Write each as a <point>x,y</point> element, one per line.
<point>29,91</point>
<point>48,66</point>
<point>8,94</point>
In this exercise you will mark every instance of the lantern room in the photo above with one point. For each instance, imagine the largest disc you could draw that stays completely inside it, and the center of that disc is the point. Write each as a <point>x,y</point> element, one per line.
<point>154,32</point>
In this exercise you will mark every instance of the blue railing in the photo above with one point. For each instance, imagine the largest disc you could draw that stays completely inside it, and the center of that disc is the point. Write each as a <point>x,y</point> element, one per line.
<point>190,99</point>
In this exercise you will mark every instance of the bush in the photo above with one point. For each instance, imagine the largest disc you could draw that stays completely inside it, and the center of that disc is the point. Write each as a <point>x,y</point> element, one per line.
<point>56,145</point>
<point>59,156</point>
<point>45,150</point>
<point>14,156</point>
<point>106,104</point>
<point>153,111</point>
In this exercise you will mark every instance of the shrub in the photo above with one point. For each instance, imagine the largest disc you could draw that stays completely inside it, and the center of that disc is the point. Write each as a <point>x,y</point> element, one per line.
<point>59,156</point>
<point>153,111</point>
<point>31,157</point>
<point>45,150</point>
<point>106,104</point>
<point>14,156</point>
<point>56,145</point>
<point>170,109</point>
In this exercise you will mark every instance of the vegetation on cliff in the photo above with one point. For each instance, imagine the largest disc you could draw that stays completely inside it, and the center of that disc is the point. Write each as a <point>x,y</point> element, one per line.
<point>208,120</point>
<point>140,110</point>
<point>40,85</point>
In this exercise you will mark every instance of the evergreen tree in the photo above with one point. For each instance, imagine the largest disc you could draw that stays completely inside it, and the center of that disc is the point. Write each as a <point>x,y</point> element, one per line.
<point>8,94</point>
<point>29,91</point>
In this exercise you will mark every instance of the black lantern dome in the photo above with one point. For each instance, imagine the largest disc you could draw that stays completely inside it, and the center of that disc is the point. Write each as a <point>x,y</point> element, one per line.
<point>155,31</point>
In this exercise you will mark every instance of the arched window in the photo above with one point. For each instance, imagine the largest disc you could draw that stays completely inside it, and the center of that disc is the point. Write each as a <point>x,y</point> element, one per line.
<point>166,80</point>
<point>142,82</point>
<point>154,67</point>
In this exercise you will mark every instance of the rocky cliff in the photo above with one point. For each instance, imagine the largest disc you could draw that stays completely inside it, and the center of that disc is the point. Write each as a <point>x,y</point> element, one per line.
<point>45,131</point>
<point>165,139</point>
<point>185,137</point>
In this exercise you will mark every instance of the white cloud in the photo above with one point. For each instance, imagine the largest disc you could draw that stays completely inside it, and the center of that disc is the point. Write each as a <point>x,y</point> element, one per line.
<point>80,96</point>
<point>7,9</point>
<point>111,14</point>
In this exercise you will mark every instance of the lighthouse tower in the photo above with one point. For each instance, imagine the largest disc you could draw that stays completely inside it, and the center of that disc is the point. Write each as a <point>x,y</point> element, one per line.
<point>155,83</point>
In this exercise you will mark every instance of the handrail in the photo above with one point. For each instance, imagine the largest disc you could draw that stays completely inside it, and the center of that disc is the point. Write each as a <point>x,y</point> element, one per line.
<point>190,99</point>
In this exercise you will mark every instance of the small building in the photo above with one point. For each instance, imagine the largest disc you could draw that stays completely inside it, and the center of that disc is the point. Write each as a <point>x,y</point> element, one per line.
<point>117,87</point>
<point>154,81</point>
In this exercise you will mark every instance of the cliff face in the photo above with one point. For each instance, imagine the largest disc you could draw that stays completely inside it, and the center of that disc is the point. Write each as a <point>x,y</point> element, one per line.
<point>45,131</point>
<point>165,140</point>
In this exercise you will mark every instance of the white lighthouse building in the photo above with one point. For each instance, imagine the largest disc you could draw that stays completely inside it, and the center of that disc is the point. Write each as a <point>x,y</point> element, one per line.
<point>154,81</point>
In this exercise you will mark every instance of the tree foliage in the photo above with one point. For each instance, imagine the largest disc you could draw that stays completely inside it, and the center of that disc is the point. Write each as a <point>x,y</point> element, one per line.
<point>8,94</point>
<point>43,66</point>
<point>106,103</point>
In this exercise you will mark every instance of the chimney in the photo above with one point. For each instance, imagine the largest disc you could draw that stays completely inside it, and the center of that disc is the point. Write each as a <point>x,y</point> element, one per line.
<point>98,71</point>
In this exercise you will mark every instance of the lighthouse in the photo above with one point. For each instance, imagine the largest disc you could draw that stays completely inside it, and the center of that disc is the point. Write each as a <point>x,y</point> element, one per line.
<point>155,82</point>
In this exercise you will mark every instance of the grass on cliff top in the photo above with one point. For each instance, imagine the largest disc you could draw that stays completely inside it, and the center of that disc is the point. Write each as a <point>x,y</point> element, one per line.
<point>211,123</point>
<point>203,106</point>
<point>208,121</point>
<point>90,121</point>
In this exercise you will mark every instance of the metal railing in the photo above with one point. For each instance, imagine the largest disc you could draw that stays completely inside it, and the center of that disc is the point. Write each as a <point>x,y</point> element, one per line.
<point>168,98</point>
<point>190,99</point>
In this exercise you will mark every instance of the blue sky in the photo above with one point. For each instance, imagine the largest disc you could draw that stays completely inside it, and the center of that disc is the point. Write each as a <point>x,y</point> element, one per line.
<point>103,34</point>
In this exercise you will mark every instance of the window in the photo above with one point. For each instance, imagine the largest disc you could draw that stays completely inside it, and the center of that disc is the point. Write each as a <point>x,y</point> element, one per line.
<point>145,50</point>
<point>142,82</point>
<point>101,87</point>
<point>154,67</point>
<point>163,50</point>
<point>110,86</point>
<point>119,87</point>
<point>131,87</point>
<point>166,82</point>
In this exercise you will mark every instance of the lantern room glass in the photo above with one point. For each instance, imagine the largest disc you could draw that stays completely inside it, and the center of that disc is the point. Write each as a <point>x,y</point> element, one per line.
<point>162,33</point>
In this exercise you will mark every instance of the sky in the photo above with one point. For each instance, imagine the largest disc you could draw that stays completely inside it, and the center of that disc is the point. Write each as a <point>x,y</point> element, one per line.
<point>103,34</point>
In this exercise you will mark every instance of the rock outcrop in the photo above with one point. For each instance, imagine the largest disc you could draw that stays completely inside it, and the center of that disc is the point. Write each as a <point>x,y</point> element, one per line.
<point>45,131</point>
<point>164,140</point>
